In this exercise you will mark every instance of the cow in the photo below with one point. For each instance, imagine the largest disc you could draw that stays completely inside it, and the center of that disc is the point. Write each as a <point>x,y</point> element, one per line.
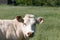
<point>19,28</point>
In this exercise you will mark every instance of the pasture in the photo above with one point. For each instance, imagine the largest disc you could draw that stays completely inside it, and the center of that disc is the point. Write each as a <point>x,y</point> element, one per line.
<point>49,30</point>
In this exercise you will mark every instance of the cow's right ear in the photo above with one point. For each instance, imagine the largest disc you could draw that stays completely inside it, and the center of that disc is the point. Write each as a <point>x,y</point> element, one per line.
<point>19,19</point>
<point>40,20</point>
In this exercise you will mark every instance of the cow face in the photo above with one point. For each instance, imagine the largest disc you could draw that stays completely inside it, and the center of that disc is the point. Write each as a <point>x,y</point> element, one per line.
<point>29,24</point>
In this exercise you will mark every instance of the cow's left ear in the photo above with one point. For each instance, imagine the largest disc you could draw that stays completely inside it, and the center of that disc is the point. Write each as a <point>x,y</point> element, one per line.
<point>40,20</point>
<point>19,19</point>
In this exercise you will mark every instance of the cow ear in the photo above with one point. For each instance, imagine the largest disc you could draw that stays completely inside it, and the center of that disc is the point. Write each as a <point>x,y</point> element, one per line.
<point>19,19</point>
<point>40,20</point>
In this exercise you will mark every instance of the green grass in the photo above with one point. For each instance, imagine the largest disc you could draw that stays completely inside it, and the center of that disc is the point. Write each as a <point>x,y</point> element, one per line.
<point>49,30</point>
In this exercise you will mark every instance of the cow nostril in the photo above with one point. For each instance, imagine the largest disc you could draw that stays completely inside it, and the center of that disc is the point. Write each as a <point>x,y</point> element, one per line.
<point>30,34</point>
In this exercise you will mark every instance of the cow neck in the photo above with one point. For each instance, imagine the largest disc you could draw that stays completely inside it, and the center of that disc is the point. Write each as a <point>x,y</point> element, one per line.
<point>21,35</point>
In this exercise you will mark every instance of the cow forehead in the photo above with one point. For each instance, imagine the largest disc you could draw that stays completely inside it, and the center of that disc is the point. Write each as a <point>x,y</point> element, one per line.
<point>29,18</point>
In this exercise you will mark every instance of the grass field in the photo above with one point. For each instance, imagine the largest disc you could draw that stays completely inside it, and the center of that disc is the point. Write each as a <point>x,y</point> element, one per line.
<point>49,30</point>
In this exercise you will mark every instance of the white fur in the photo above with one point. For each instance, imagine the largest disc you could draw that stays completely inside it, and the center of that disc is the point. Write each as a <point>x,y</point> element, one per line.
<point>10,28</point>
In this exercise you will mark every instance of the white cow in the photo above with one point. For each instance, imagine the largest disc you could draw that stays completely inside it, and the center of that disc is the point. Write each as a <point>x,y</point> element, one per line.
<point>19,28</point>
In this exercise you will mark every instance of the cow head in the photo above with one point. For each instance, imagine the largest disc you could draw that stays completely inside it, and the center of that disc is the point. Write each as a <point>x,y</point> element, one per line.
<point>30,22</point>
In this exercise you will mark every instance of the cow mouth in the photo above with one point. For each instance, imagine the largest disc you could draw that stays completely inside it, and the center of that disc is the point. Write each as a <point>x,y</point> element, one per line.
<point>30,36</point>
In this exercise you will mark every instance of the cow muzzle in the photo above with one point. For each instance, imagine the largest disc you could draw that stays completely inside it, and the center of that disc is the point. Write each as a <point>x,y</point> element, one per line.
<point>30,34</point>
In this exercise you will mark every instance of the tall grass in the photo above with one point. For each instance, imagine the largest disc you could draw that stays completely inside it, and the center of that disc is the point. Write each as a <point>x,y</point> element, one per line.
<point>49,30</point>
